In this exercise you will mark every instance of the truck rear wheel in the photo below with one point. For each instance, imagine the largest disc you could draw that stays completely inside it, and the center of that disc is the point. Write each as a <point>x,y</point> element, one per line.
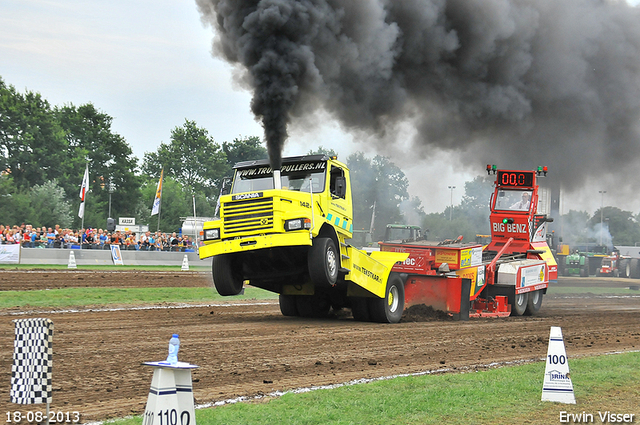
<point>533,303</point>
<point>360,309</point>
<point>390,308</point>
<point>226,276</point>
<point>323,262</point>
<point>312,305</point>
<point>518,303</point>
<point>288,305</point>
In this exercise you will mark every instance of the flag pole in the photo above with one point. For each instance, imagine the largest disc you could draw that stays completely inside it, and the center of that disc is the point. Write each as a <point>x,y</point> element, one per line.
<point>83,193</point>
<point>160,204</point>
<point>195,228</point>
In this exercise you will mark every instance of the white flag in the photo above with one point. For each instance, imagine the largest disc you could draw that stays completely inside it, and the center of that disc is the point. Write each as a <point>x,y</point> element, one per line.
<point>156,202</point>
<point>83,191</point>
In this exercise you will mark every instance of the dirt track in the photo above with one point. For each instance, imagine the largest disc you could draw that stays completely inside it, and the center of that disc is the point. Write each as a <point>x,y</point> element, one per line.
<point>246,349</point>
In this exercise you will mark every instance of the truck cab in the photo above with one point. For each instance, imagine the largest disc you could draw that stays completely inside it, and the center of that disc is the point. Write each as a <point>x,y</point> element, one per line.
<point>264,222</point>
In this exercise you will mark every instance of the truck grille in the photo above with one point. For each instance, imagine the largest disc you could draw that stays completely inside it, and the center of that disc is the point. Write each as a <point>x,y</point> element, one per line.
<point>251,215</point>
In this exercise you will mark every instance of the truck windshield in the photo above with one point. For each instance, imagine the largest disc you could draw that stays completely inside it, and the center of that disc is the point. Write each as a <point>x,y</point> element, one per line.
<point>514,200</point>
<point>292,176</point>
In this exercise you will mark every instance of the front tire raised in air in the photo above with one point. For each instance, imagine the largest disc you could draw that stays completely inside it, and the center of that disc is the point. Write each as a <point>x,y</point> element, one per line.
<point>390,308</point>
<point>323,262</point>
<point>226,276</point>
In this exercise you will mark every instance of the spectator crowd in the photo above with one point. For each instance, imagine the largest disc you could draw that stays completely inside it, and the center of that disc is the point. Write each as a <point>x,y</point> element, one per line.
<point>55,237</point>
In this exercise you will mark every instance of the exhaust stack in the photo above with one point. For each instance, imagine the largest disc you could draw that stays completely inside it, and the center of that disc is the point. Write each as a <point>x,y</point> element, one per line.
<point>277,183</point>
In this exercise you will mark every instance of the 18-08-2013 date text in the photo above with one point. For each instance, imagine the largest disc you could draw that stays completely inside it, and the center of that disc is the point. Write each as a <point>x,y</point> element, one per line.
<point>54,417</point>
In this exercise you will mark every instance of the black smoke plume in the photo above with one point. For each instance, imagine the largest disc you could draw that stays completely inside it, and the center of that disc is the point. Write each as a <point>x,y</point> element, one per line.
<point>519,83</point>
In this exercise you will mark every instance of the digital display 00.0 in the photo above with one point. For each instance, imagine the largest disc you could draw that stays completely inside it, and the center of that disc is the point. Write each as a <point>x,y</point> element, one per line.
<point>515,178</point>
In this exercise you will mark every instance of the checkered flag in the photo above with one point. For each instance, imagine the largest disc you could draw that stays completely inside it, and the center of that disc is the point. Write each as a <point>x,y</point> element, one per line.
<point>32,360</point>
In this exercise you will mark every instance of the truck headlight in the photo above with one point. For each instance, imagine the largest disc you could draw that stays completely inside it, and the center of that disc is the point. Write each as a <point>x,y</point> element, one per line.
<point>211,234</point>
<point>297,224</point>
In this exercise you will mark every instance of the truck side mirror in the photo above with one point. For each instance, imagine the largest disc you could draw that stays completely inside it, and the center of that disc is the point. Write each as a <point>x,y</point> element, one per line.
<point>341,187</point>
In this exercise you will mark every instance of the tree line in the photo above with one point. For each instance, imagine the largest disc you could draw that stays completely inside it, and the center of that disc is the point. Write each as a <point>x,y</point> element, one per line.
<point>44,150</point>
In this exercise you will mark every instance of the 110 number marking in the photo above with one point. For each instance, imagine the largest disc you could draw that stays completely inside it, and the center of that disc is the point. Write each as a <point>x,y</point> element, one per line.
<point>167,417</point>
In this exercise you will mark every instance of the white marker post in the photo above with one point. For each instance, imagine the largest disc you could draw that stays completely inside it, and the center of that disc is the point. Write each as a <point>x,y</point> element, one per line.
<point>171,395</point>
<point>185,263</point>
<point>72,261</point>
<point>557,381</point>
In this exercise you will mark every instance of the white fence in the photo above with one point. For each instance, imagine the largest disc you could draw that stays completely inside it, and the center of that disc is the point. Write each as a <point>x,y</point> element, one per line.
<point>44,256</point>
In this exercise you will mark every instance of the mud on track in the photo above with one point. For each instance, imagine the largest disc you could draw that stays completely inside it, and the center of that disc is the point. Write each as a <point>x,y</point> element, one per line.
<point>249,348</point>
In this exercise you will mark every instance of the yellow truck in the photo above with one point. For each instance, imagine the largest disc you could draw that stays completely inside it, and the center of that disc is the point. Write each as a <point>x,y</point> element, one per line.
<point>286,231</point>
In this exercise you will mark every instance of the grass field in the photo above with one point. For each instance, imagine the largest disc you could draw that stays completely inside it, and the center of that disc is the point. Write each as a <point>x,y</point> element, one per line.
<point>97,296</point>
<point>508,395</point>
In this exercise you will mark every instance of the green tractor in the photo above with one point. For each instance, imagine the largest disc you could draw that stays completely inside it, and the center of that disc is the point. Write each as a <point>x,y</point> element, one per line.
<point>576,264</point>
<point>584,260</point>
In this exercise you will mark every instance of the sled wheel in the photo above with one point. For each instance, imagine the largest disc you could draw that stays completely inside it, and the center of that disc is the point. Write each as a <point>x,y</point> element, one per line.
<point>323,262</point>
<point>390,308</point>
<point>519,303</point>
<point>360,309</point>
<point>312,305</point>
<point>534,303</point>
<point>226,278</point>
<point>288,305</point>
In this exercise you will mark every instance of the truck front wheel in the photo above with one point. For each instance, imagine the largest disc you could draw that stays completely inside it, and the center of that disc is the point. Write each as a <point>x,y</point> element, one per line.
<point>226,278</point>
<point>323,262</point>
<point>390,308</point>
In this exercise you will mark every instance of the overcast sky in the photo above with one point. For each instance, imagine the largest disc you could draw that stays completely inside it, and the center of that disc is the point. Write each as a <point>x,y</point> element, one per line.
<point>148,64</point>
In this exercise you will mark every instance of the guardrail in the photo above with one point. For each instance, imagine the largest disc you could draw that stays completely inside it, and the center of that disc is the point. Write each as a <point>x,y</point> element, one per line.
<point>50,256</point>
